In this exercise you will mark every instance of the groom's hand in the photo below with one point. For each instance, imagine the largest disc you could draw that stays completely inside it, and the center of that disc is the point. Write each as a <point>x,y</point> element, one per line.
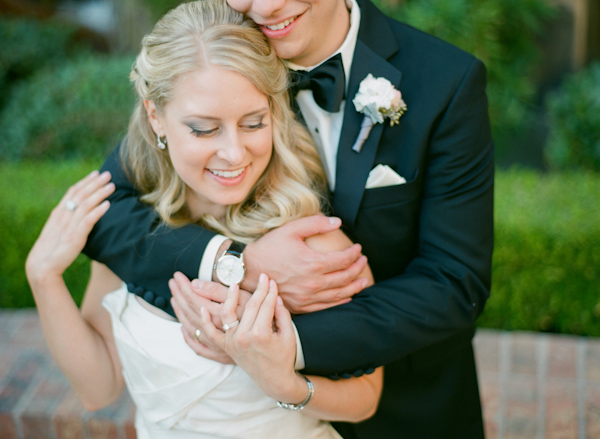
<point>188,300</point>
<point>308,280</point>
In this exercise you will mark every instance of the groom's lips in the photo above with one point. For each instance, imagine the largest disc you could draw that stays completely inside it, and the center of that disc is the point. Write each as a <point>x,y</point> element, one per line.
<point>280,33</point>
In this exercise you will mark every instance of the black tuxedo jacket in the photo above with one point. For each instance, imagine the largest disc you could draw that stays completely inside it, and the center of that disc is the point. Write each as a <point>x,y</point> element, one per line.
<point>429,241</point>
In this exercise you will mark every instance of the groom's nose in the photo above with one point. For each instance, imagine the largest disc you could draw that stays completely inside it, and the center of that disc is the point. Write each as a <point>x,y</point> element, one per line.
<point>267,8</point>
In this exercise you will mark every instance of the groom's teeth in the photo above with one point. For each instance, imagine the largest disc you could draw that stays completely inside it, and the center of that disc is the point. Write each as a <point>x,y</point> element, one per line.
<point>227,174</point>
<point>281,25</point>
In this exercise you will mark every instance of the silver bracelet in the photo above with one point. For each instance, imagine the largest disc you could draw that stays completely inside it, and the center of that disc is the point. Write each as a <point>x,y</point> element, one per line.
<point>298,407</point>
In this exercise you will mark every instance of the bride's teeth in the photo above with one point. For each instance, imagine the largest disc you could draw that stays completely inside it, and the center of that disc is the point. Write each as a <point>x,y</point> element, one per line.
<point>227,174</point>
<point>281,25</point>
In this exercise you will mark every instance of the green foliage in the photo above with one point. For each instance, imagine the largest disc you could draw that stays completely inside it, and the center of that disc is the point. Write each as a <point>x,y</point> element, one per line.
<point>574,122</point>
<point>501,33</point>
<point>77,110</point>
<point>36,189</point>
<point>29,45</point>
<point>546,269</point>
<point>159,8</point>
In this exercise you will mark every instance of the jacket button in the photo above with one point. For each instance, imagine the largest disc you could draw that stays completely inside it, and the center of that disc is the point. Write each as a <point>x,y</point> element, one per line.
<point>346,375</point>
<point>149,296</point>
<point>139,291</point>
<point>358,373</point>
<point>160,302</point>
<point>370,370</point>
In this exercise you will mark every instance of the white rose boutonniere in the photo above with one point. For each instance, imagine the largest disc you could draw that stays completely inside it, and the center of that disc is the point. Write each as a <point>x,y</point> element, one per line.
<point>377,99</point>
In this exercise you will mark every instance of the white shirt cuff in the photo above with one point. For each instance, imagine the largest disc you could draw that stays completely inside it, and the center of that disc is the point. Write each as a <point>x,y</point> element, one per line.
<point>208,259</point>
<point>299,354</point>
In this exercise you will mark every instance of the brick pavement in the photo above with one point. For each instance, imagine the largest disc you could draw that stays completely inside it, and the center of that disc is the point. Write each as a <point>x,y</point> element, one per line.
<point>533,386</point>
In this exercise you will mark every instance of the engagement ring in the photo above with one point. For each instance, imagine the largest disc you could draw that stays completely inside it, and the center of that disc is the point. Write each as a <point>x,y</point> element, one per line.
<point>230,325</point>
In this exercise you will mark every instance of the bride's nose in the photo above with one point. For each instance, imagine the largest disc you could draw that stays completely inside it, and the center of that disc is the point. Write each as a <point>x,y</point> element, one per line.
<point>232,149</point>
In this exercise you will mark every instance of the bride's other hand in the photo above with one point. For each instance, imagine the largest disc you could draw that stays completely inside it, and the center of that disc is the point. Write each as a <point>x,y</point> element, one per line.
<point>263,343</point>
<point>66,230</point>
<point>187,303</point>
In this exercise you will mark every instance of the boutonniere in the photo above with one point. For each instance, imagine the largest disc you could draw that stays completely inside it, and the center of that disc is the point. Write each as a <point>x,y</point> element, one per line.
<point>378,100</point>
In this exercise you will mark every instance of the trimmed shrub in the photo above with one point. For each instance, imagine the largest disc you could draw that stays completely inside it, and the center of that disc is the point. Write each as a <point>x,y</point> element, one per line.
<point>574,122</point>
<point>78,110</point>
<point>29,45</point>
<point>501,33</point>
<point>546,268</point>
<point>158,8</point>
<point>37,189</point>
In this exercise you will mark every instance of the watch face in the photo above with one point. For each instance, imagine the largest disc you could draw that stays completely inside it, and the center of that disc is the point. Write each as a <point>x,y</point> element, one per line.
<point>230,270</point>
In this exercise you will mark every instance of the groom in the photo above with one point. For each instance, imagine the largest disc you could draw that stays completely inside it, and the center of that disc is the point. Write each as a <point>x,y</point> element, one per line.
<point>426,226</point>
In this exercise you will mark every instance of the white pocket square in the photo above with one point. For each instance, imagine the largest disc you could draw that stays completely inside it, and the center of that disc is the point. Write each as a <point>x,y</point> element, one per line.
<point>383,175</point>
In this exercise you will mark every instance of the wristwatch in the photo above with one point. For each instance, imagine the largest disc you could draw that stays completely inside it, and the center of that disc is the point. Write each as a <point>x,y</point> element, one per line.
<point>230,268</point>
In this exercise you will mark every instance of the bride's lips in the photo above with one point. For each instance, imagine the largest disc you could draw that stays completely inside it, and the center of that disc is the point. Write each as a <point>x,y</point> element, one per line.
<point>228,178</point>
<point>280,33</point>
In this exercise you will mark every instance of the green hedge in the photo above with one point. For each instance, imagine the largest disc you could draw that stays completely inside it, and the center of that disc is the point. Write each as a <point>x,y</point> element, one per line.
<point>35,188</point>
<point>79,110</point>
<point>546,269</point>
<point>28,45</point>
<point>546,261</point>
<point>501,33</point>
<point>574,122</point>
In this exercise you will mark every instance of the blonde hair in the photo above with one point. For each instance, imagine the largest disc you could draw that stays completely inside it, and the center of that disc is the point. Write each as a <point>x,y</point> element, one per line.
<point>190,37</point>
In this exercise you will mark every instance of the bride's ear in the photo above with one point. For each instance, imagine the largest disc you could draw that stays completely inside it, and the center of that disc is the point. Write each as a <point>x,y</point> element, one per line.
<point>154,118</point>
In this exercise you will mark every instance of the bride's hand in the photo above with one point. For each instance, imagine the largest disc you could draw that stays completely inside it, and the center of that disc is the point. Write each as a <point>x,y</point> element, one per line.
<point>66,230</point>
<point>263,343</point>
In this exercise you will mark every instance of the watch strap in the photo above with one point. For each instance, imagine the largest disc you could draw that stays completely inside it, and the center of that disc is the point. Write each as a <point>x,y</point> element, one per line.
<point>236,248</point>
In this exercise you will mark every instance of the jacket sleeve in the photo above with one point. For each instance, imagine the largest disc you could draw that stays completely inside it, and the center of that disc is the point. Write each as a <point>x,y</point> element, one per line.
<point>132,241</point>
<point>443,289</point>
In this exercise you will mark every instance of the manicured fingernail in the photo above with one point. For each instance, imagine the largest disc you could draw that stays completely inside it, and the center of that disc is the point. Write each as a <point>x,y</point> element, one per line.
<point>279,301</point>
<point>334,220</point>
<point>262,277</point>
<point>197,284</point>
<point>365,283</point>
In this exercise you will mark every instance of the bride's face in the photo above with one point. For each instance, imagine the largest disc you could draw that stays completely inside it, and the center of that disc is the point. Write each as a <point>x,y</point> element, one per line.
<point>219,137</point>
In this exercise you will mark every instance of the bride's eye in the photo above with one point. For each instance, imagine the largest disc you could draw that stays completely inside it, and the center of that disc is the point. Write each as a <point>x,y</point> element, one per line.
<point>256,124</point>
<point>203,133</point>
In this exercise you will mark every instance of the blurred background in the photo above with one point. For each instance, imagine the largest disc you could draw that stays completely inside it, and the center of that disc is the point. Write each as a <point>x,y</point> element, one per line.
<point>65,102</point>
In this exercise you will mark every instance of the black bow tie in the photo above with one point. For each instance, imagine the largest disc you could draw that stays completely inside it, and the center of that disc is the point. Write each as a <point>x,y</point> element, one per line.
<point>327,82</point>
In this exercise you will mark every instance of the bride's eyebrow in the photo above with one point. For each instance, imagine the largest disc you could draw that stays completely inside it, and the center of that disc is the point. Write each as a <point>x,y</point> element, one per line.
<point>207,117</point>
<point>259,111</point>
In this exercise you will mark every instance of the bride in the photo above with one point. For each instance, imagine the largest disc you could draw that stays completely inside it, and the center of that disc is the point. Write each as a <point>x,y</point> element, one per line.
<point>211,141</point>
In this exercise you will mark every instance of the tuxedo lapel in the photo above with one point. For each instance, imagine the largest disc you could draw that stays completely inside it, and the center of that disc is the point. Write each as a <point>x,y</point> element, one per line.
<point>352,169</point>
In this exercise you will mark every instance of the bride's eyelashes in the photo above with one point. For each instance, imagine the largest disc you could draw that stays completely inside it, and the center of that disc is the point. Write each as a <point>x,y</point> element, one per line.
<point>203,133</point>
<point>257,126</point>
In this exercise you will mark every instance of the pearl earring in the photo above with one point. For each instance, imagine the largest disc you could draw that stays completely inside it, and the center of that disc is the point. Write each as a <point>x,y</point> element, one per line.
<point>161,144</point>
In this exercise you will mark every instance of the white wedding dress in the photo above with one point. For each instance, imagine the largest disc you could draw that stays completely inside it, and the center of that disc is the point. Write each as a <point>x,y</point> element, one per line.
<point>180,395</point>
